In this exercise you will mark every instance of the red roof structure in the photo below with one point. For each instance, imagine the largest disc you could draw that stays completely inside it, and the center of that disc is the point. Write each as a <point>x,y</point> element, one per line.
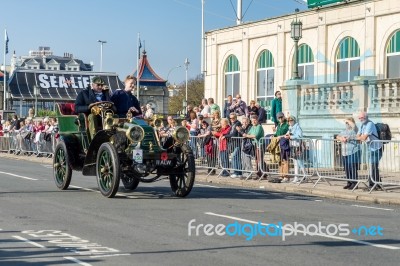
<point>147,76</point>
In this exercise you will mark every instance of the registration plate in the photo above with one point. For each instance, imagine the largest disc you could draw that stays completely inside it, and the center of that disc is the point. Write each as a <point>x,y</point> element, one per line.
<point>163,162</point>
<point>137,156</point>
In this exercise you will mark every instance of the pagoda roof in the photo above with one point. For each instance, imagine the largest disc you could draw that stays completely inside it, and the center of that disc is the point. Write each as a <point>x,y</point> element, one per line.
<point>147,76</point>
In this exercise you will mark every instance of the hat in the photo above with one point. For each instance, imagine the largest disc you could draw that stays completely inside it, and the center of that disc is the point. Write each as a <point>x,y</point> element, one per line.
<point>280,114</point>
<point>98,80</point>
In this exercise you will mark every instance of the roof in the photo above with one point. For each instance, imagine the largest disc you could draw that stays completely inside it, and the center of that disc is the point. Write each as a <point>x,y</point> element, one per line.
<point>147,76</point>
<point>56,85</point>
<point>63,61</point>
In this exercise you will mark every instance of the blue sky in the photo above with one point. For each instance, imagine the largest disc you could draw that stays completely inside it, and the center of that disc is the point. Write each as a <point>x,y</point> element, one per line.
<point>170,30</point>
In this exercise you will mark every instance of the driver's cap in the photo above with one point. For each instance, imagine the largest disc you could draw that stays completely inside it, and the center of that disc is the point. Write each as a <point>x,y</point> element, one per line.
<point>98,80</point>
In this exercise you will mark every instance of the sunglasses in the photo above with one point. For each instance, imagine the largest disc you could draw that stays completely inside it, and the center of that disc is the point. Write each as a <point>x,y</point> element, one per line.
<point>290,120</point>
<point>280,117</point>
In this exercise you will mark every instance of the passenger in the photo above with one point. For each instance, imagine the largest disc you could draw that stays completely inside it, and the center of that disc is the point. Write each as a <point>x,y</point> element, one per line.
<point>350,152</point>
<point>124,100</point>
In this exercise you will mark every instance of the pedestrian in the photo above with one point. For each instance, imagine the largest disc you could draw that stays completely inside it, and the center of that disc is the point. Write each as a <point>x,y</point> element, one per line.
<point>124,100</point>
<point>350,152</point>
<point>369,134</point>
<point>276,107</point>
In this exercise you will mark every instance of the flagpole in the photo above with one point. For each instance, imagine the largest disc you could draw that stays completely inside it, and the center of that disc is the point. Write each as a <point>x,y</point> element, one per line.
<point>137,68</point>
<point>5,72</point>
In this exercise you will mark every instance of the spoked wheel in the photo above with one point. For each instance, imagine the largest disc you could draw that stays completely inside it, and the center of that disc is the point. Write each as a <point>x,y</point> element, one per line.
<point>62,170</point>
<point>130,183</point>
<point>107,170</point>
<point>182,183</point>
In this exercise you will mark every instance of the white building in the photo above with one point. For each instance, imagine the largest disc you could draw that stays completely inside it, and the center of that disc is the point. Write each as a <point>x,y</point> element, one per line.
<point>349,55</point>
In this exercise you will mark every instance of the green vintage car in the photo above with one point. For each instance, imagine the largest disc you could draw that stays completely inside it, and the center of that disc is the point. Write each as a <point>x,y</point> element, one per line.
<point>117,149</point>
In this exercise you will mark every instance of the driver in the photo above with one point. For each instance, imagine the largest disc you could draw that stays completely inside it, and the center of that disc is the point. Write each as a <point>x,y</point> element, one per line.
<point>97,93</point>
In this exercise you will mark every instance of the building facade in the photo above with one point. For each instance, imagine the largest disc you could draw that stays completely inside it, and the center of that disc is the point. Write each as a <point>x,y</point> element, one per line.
<point>349,61</point>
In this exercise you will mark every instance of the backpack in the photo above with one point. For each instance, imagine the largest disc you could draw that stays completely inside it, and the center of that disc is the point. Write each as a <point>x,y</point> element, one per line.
<point>383,131</point>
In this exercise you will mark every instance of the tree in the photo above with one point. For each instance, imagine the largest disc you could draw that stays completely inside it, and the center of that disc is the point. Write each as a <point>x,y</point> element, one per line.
<point>195,95</point>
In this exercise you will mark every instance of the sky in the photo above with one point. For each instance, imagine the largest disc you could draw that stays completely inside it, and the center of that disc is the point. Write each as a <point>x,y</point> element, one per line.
<point>170,30</point>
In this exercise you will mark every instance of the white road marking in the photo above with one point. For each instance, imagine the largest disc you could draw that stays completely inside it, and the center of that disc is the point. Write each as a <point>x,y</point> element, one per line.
<point>110,255</point>
<point>20,176</point>
<point>202,185</point>
<point>303,232</point>
<point>252,192</point>
<point>28,241</point>
<point>77,261</point>
<point>92,190</point>
<point>369,207</point>
<point>318,200</point>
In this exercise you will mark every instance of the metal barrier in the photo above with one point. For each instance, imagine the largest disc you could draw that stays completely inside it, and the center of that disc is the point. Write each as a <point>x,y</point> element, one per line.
<point>384,165</point>
<point>296,161</point>
<point>336,160</point>
<point>45,143</point>
<point>206,153</point>
<point>5,143</point>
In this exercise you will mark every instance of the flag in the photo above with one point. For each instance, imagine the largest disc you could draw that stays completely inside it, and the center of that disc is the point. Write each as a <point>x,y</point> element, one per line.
<point>6,41</point>
<point>139,47</point>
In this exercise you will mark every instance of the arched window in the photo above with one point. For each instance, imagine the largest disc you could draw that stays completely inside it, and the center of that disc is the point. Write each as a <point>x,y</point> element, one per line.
<point>265,76</point>
<point>232,76</point>
<point>393,56</point>
<point>347,60</point>
<point>306,63</point>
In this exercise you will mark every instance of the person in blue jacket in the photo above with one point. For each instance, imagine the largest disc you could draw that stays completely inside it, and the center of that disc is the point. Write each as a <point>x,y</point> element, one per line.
<point>125,101</point>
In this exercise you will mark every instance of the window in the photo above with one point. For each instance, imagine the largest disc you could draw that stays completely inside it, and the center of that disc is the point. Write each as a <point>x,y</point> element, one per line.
<point>348,60</point>
<point>306,63</point>
<point>232,76</point>
<point>265,80</point>
<point>393,56</point>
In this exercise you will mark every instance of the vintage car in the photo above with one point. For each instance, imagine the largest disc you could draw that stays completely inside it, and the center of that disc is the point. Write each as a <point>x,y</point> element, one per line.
<point>114,149</point>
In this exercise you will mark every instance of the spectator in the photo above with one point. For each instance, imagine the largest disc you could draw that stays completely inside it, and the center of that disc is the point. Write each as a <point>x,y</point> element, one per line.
<point>189,108</point>
<point>206,111</point>
<point>280,133</point>
<point>350,152</point>
<point>239,107</point>
<point>223,145</point>
<point>252,108</point>
<point>15,125</point>
<point>234,144</point>
<point>149,112</point>
<point>255,133</point>
<point>246,154</point>
<point>276,107</point>
<point>228,103</point>
<point>209,147</point>
<point>213,106</point>
<point>368,133</point>
<point>262,116</point>
<point>294,134</point>
<point>216,121</point>
<point>192,124</point>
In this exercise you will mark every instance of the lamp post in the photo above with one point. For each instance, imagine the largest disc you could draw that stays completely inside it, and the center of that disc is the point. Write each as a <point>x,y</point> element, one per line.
<point>169,72</point>
<point>101,53</point>
<point>36,91</point>
<point>186,80</point>
<point>295,34</point>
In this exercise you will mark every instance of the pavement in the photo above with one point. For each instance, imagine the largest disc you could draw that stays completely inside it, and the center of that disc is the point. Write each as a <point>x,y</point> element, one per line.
<point>334,190</point>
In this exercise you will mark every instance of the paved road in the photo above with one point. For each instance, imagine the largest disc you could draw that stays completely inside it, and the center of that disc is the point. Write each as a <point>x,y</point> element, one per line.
<point>40,225</point>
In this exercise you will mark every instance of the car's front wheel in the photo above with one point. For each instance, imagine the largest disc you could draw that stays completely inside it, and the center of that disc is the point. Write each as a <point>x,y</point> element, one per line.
<point>62,170</point>
<point>108,170</point>
<point>182,183</point>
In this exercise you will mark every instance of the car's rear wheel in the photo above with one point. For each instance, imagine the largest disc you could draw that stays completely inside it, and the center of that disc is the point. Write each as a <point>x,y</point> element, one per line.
<point>107,170</point>
<point>182,183</point>
<point>130,183</point>
<point>62,170</point>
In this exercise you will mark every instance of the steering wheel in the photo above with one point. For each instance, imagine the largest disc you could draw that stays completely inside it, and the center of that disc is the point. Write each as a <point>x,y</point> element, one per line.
<point>97,107</point>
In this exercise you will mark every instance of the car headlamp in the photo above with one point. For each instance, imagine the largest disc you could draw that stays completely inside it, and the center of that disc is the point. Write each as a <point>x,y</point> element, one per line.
<point>181,134</point>
<point>135,133</point>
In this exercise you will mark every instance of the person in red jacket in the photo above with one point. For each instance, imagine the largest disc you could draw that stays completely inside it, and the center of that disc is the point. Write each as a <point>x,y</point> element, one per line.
<point>223,145</point>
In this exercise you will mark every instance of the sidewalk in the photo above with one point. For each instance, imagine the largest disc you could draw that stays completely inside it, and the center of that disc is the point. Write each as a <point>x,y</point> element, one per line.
<point>335,191</point>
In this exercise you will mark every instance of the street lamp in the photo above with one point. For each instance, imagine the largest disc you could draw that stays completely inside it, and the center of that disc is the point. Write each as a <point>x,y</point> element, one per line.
<point>101,53</point>
<point>295,34</point>
<point>169,72</point>
<point>186,79</point>
<point>36,91</point>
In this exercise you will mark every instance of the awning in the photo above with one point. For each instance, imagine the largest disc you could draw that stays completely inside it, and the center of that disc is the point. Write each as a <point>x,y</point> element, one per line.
<point>56,85</point>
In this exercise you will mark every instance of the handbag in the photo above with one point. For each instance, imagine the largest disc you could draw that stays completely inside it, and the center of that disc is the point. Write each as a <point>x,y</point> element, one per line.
<point>247,146</point>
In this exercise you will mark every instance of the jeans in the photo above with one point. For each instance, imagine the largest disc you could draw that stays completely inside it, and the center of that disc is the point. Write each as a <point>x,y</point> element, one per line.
<point>374,158</point>
<point>236,161</point>
<point>350,163</point>
<point>193,143</point>
<point>224,161</point>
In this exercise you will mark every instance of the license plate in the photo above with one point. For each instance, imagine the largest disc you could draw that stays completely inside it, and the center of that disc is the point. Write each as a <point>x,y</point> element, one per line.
<point>138,156</point>
<point>163,162</point>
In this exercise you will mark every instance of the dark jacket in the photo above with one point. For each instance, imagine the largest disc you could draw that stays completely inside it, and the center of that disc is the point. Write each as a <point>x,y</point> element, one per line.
<point>227,110</point>
<point>233,132</point>
<point>262,116</point>
<point>87,97</point>
<point>123,101</point>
